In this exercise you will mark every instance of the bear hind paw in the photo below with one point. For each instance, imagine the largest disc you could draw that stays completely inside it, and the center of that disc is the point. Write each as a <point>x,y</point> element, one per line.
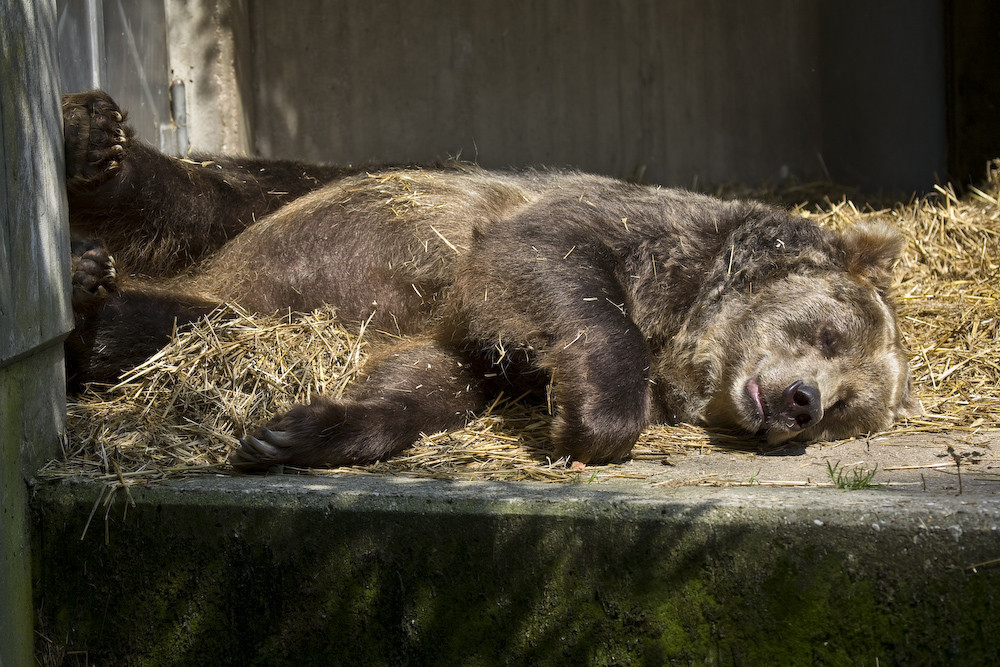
<point>97,137</point>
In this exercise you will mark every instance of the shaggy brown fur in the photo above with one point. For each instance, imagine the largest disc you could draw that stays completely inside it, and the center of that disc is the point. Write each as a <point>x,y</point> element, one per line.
<point>117,184</point>
<point>630,304</point>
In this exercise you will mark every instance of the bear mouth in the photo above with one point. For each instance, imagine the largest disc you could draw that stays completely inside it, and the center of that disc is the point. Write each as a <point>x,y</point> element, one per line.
<point>756,397</point>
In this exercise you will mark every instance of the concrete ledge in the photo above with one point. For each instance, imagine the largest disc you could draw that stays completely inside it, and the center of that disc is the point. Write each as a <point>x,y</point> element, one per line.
<point>360,570</point>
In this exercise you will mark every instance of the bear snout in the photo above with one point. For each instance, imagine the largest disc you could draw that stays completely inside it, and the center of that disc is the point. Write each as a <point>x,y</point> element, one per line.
<point>802,406</point>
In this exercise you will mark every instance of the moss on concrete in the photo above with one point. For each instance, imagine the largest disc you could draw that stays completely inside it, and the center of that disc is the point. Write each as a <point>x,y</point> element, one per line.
<point>391,572</point>
<point>32,411</point>
<point>15,580</point>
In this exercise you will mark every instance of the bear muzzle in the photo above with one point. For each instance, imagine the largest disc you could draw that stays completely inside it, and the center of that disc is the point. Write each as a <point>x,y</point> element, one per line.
<point>799,407</point>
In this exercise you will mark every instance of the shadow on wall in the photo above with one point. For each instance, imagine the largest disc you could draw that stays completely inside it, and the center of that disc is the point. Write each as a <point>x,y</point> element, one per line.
<point>677,93</point>
<point>883,93</point>
<point>579,576</point>
<point>674,93</point>
<point>664,91</point>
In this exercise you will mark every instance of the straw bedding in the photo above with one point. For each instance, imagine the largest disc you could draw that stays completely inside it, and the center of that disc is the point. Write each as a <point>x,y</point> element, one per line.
<point>182,412</point>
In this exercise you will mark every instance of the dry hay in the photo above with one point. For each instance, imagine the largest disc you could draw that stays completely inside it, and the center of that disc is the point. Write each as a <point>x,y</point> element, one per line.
<point>182,411</point>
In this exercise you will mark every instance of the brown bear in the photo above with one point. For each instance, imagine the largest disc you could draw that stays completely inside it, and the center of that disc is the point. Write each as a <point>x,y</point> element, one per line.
<point>622,304</point>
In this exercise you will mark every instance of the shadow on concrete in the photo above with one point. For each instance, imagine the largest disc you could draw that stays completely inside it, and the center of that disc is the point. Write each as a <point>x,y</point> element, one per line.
<point>398,572</point>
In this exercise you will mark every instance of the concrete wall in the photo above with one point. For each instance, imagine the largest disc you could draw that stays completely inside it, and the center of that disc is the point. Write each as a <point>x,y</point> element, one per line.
<point>209,54</point>
<point>34,282</point>
<point>685,89</point>
<point>679,92</point>
<point>675,92</point>
<point>395,571</point>
<point>882,65</point>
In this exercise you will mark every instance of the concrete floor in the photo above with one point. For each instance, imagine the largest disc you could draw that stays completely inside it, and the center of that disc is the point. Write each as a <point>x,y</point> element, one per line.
<point>915,462</point>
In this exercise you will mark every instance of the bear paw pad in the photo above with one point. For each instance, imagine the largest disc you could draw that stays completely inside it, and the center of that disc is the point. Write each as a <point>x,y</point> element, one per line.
<point>97,137</point>
<point>94,275</point>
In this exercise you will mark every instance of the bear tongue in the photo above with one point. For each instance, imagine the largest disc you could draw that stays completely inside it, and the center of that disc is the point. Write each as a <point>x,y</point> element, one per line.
<point>757,396</point>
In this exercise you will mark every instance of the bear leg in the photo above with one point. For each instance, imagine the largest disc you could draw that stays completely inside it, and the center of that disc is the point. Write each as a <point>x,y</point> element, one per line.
<point>562,296</point>
<point>601,391</point>
<point>416,387</point>
<point>159,214</point>
<point>124,330</point>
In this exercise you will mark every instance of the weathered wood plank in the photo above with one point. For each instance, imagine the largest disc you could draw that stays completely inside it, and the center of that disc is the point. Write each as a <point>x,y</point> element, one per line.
<point>34,241</point>
<point>34,294</point>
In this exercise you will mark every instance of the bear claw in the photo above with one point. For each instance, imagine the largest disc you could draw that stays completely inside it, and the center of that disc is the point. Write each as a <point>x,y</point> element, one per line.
<point>94,276</point>
<point>257,448</point>
<point>96,138</point>
<point>278,438</point>
<point>261,452</point>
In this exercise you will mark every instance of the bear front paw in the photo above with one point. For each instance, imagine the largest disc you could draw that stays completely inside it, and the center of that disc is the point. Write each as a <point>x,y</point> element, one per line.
<point>96,136</point>
<point>327,434</point>
<point>258,453</point>
<point>306,435</point>
<point>94,276</point>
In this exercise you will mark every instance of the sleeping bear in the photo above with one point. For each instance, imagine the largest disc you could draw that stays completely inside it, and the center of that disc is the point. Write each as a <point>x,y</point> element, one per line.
<point>622,305</point>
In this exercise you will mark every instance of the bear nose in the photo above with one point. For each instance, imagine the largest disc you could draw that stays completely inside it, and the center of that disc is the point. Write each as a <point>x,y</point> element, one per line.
<point>802,405</point>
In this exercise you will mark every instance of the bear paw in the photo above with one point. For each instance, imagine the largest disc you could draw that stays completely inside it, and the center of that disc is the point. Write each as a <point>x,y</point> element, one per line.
<point>97,137</point>
<point>258,453</point>
<point>94,275</point>
<point>305,435</point>
<point>325,434</point>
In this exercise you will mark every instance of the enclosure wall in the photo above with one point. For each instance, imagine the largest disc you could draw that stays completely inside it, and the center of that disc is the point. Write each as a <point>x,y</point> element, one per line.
<point>677,92</point>
<point>34,281</point>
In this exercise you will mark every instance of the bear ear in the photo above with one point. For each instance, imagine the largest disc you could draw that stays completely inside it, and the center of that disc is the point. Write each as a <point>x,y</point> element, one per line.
<point>869,252</point>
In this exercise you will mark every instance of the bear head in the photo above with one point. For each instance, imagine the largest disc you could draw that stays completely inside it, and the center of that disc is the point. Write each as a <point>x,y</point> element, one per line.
<point>815,353</point>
